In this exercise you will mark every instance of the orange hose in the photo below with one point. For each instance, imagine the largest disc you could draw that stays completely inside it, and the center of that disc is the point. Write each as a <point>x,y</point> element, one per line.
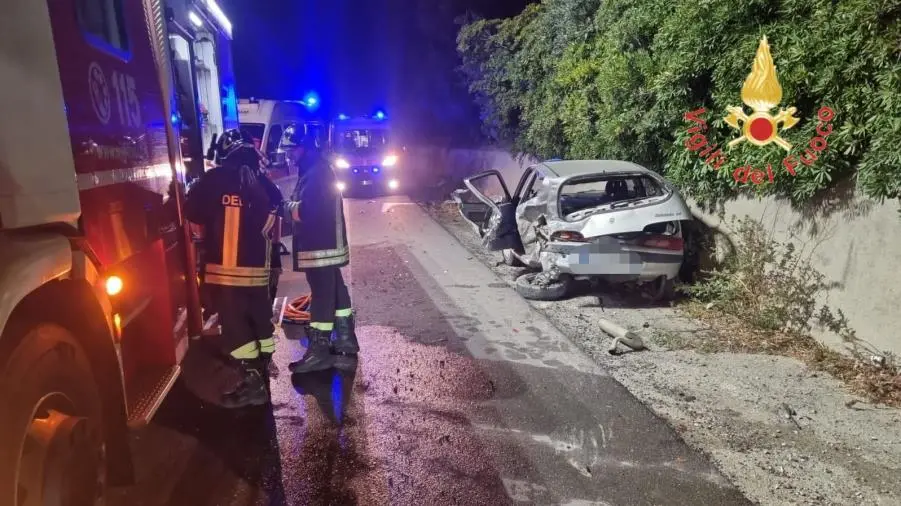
<point>298,309</point>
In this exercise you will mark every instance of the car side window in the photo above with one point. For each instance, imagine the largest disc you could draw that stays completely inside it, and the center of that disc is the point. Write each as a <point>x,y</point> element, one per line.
<point>531,188</point>
<point>275,137</point>
<point>536,186</point>
<point>526,185</point>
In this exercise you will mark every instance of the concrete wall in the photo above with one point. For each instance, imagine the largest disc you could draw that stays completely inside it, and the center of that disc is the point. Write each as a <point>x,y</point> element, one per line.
<point>855,243</point>
<point>857,247</point>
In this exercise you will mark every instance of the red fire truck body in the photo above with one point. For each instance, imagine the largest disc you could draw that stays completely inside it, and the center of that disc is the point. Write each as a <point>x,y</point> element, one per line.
<point>98,291</point>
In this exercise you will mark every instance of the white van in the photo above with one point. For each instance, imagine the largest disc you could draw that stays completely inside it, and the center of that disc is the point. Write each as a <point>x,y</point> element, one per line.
<point>265,121</point>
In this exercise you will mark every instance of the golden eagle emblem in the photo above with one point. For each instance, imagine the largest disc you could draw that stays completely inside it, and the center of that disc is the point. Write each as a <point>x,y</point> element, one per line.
<point>761,92</point>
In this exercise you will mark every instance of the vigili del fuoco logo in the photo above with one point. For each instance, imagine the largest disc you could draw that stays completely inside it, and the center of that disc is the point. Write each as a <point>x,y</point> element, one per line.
<point>761,93</point>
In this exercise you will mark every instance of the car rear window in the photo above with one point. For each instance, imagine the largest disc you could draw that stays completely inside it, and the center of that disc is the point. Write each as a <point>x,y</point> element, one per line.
<point>604,190</point>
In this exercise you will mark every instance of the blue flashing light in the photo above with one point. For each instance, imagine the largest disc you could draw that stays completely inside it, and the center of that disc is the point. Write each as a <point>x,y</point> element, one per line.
<point>375,170</point>
<point>342,117</point>
<point>174,118</point>
<point>380,115</point>
<point>311,100</point>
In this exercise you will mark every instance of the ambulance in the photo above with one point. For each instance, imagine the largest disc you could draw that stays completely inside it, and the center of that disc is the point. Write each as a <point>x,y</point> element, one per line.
<point>103,106</point>
<point>266,121</point>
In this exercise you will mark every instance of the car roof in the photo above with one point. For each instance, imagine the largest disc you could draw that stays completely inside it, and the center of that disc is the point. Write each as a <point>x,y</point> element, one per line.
<point>567,168</point>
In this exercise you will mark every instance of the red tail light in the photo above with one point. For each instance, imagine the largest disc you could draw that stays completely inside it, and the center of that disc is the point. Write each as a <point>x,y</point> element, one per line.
<point>567,236</point>
<point>663,242</point>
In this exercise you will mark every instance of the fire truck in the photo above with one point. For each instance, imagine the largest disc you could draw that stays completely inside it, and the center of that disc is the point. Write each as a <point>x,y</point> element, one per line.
<point>98,290</point>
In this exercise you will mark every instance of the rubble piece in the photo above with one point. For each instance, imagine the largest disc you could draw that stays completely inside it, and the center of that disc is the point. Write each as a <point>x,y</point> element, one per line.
<point>620,335</point>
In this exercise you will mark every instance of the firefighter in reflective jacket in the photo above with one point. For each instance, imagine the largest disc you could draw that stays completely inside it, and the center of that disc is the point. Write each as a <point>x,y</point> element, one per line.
<point>236,214</point>
<point>320,250</point>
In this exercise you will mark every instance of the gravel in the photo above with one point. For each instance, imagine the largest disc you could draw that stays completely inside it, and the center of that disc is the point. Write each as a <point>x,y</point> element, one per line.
<point>781,432</point>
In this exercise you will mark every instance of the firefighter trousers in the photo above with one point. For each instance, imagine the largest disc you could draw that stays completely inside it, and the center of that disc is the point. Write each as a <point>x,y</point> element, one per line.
<point>245,314</point>
<point>330,297</point>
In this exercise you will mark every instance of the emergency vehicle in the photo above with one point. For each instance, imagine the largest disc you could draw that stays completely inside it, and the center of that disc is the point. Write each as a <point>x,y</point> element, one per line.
<point>266,121</point>
<point>364,153</point>
<point>98,291</point>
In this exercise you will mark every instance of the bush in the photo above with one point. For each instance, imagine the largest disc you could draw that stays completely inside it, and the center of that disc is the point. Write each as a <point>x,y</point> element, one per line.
<point>769,284</point>
<point>585,79</point>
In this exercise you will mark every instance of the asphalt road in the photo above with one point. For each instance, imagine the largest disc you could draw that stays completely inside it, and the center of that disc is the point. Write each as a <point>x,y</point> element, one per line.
<point>462,395</point>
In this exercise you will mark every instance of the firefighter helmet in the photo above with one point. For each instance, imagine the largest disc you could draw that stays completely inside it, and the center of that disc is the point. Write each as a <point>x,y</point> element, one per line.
<point>230,143</point>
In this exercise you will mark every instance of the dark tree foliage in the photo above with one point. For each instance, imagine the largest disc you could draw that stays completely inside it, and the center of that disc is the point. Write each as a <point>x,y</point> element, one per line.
<point>612,79</point>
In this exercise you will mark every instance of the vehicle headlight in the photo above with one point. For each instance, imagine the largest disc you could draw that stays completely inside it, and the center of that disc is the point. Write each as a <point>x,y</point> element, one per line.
<point>390,161</point>
<point>341,163</point>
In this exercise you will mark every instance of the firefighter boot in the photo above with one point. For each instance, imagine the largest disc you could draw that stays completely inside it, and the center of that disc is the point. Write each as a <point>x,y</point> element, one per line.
<point>263,365</point>
<point>250,391</point>
<point>317,356</point>
<point>345,342</point>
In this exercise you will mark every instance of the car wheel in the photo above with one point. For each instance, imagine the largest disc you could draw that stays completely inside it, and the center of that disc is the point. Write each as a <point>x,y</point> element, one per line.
<point>510,258</point>
<point>51,444</point>
<point>543,286</point>
<point>663,289</point>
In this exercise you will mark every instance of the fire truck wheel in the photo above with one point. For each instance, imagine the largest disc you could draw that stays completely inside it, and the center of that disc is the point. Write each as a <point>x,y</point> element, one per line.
<point>51,444</point>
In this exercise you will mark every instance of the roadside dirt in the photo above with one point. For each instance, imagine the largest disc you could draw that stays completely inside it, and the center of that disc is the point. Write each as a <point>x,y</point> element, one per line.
<point>782,433</point>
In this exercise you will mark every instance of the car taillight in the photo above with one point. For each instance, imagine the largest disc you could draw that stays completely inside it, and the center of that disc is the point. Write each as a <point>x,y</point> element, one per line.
<point>567,236</point>
<point>663,242</point>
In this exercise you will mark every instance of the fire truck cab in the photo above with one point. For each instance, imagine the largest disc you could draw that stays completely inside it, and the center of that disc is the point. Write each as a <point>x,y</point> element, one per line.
<point>98,291</point>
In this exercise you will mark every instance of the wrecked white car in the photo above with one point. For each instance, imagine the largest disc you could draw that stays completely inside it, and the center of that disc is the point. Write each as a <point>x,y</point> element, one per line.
<point>581,219</point>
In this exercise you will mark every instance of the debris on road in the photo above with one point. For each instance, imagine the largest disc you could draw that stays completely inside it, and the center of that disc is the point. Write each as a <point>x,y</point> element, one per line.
<point>620,335</point>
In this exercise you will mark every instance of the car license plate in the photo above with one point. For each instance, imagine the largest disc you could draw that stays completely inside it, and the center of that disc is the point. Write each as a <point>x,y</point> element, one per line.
<point>367,183</point>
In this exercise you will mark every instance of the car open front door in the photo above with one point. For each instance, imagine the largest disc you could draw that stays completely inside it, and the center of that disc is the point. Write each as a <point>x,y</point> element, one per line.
<point>493,218</point>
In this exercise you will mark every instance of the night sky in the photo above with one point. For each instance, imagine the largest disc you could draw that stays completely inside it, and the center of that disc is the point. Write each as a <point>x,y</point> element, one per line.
<point>358,55</point>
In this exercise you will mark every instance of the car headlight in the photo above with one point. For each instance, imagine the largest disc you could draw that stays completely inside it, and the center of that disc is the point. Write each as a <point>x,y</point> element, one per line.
<point>341,163</point>
<point>390,161</point>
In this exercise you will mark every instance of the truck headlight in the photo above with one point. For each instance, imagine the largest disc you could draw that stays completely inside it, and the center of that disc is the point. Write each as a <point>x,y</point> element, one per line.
<point>341,163</point>
<point>390,161</point>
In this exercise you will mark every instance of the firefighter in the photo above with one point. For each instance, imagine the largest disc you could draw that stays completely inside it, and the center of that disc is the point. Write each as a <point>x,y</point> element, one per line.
<point>320,250</point>
<point>236,214</point>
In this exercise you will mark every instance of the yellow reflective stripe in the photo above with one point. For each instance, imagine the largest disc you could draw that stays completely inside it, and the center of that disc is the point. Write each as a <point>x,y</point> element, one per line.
<point>267,345</point>
<point>322,262</point>
<point>344,312</point>
<point>322,325</point>
<point>230,236</point>
<point>219,279</point>
<point>322,253</point>
<point>237,271</point>
<point>249,351</point>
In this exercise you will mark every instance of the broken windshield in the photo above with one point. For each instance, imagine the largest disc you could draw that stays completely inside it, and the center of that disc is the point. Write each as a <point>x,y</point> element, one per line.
<point>595,193</point>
